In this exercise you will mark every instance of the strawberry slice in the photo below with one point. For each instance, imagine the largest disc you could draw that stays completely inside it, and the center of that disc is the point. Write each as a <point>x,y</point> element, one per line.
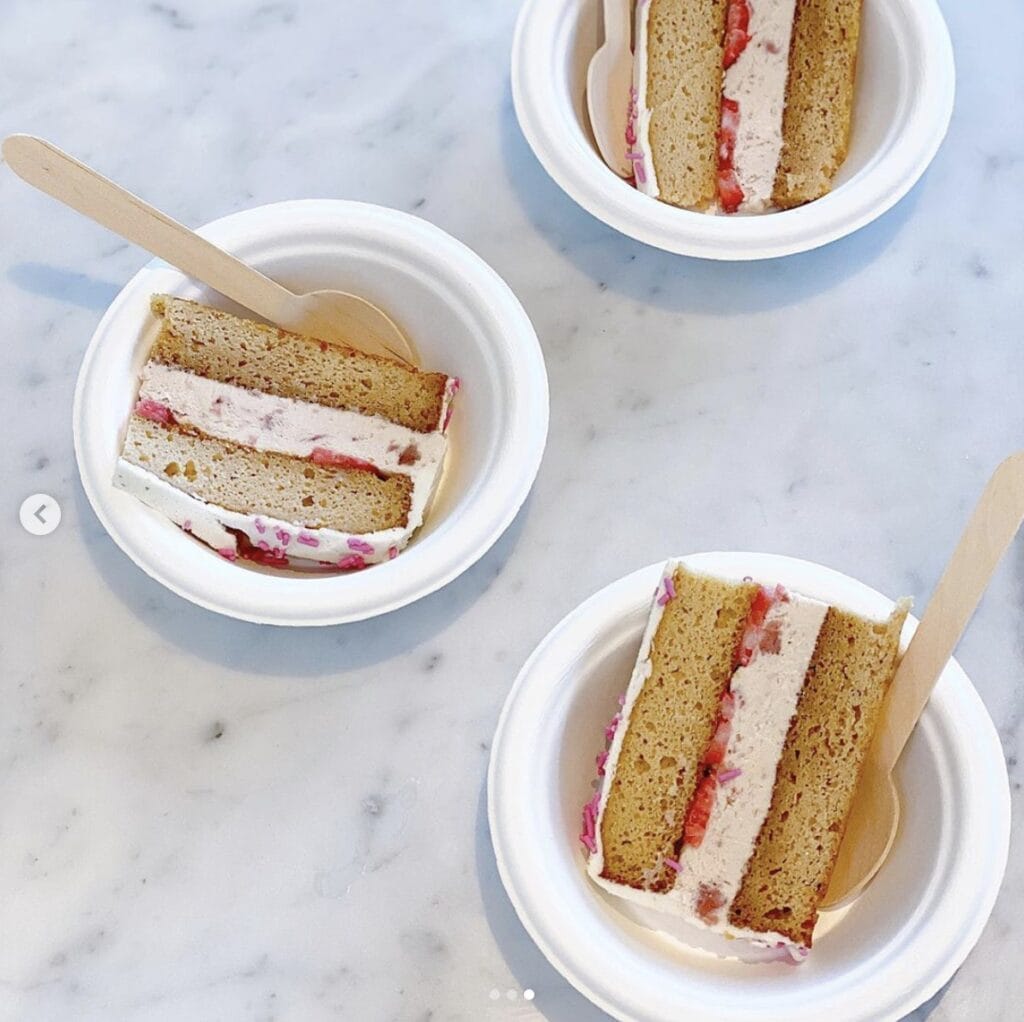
<point>716,750</point>
<point>727,708</point>
<point>700,812</point>
<point>333,459</point>
<point>759,608</point>
<point>709,900</point>
<point>737,21</point>
<point>155,411</point>
<point>730,195</point>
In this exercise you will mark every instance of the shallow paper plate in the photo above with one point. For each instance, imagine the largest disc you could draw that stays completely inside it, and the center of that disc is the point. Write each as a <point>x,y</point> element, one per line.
<point>903,103</point>
<point>460,316</point>
<point>876,959</point>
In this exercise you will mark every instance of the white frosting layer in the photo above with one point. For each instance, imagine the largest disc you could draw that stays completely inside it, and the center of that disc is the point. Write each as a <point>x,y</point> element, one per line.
<point>643,120</point>
<point>766,693</point>
<point>757,81</point>
<point>210,523</point>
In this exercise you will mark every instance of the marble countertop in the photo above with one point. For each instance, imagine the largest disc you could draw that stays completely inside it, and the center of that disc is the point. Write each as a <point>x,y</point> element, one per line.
<point>203,819</point>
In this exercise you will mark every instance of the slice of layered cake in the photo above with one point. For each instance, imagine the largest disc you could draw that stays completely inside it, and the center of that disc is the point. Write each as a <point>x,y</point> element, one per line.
<point>276,447</point>
<point>732,765</point>
<point>740,105</point>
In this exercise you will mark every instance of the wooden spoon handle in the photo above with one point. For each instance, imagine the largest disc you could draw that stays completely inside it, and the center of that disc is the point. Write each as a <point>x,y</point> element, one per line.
<point>990,531</point>
<point>66,179</point>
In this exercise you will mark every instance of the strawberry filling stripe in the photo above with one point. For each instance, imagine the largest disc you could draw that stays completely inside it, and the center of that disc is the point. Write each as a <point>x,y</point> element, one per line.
<point>730,194</point>
<point>333,459</point>
<point>758,636</point>
<point>737,21</point>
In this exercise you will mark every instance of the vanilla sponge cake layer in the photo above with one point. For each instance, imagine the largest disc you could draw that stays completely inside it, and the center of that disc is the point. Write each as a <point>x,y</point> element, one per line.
<point>819,99</point>
<point>680,89</point>
<point>244,480</point>
<point>837,715</point>
<point>223,347</point>
<point>671,720</point>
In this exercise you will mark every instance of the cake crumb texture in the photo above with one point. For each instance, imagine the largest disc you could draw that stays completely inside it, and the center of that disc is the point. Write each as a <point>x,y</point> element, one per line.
<point>684,89</point>
<point>670,727</point>
<point>819,99</point>
<point>836,717</point>
<point>215,344</point>
<point>266,483</point>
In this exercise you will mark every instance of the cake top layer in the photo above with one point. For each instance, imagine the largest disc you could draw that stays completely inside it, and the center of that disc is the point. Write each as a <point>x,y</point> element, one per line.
<point>215,344</point>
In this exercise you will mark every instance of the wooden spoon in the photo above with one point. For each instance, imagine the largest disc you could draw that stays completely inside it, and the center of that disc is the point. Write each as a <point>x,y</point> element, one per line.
<point>609,78</point>
<point>874,818</point>
<point>328,315</point>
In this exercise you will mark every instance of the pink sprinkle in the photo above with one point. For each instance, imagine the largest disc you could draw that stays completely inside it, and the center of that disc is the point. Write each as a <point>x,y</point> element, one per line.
<point>729,775</point>
<point>264,545</point>
<point>609,731</point>
<point>589,831</point>
<point>622,699</point>
<point>307,539</point>
<point>641,174</point>
<point>228,554</point>
<point>602,759</point>
<point>456,385</point>
<point>351,562</point>
<point>670,587</point>
<point>634,157</point>
<point>360,546</point>
<point>392,553</point>
<point>283,535</point>
<point>664,599</point>
<point>187,525</point>
<point>447,419</point>
<point>672,864</point>
<point>258,522</point>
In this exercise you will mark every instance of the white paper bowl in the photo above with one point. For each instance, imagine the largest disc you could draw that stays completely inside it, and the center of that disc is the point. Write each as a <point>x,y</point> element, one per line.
<point>880,958</point>
<point>904,101</point>
<point>459,314</point>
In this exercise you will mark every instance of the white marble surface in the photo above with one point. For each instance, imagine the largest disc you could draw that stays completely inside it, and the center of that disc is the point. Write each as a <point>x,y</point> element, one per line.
<point>201,819</point>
